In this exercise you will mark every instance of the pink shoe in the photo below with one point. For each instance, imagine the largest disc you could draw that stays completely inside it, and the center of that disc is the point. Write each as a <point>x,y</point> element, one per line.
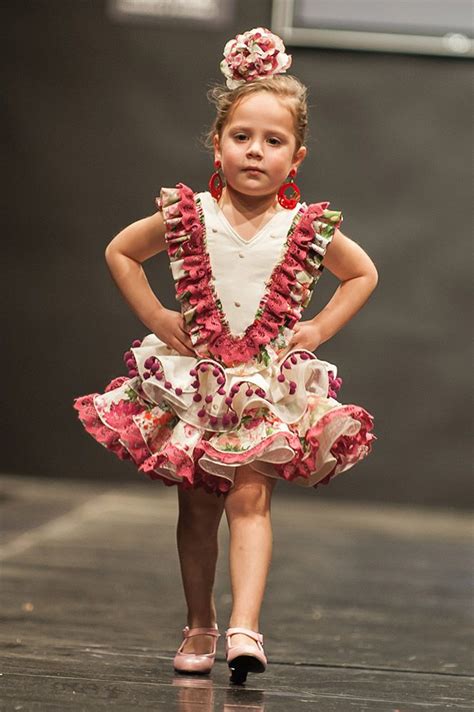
<point>191,662</point>
<point>244,658</point>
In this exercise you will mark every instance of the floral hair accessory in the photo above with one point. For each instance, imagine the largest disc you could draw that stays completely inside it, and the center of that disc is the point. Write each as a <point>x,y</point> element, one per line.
<point>256,54</point>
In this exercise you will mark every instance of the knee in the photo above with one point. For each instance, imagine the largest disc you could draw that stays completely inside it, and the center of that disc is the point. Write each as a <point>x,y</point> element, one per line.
<point>199,511</point>
<point>250,495</point>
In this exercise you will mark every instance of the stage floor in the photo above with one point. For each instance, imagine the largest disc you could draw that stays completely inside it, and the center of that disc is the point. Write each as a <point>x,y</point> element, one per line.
<point>367,607</point>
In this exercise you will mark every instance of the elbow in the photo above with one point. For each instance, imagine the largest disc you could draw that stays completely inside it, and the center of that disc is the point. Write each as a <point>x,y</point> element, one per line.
<point>109,251</point>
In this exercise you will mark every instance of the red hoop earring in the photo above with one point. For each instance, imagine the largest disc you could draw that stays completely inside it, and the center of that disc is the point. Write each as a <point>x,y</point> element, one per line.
<point>216,183</point>
<point>289,201</point>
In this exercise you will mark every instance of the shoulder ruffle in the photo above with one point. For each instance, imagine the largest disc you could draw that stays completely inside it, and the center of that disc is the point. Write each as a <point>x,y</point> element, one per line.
<point>288,291</point>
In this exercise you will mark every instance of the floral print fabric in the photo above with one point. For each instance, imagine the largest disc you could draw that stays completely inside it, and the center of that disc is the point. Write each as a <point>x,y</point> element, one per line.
<point>243,400</point>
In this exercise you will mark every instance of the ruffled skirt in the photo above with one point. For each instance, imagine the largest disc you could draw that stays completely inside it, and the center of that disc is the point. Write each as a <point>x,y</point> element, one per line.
<point>192,422</point>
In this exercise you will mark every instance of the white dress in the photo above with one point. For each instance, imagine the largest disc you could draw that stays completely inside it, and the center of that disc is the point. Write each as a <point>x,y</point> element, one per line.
<point>245,398</point>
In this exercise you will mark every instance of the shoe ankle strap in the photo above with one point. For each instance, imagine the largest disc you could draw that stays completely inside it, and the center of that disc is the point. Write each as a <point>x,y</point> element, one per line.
<point>245,631</point>
<point>191,632</point>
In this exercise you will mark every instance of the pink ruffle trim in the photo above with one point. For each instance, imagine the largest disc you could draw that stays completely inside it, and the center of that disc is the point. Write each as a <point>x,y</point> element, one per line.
<point>121,436</point>
<point>208,328</point>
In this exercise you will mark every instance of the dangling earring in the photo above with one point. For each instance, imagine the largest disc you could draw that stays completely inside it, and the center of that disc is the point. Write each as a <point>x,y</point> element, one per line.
<point>290,201</point>
<point>216,183</point>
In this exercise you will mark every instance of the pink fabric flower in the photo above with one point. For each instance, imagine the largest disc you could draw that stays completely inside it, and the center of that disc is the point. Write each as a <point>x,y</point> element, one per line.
<point>255,54</point>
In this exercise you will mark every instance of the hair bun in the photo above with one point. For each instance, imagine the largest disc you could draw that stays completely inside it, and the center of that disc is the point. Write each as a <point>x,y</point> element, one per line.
<point>256,54</point>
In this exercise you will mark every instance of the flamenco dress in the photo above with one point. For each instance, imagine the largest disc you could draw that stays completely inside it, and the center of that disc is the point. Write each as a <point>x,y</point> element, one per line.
<point>246,397</point>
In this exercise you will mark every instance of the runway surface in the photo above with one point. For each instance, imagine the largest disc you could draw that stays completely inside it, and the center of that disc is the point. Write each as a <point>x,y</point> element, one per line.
<point>367,607</point>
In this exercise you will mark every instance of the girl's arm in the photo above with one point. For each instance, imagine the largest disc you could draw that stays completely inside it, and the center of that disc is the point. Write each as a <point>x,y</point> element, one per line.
<point>358,276</point>
<point>124,256</point>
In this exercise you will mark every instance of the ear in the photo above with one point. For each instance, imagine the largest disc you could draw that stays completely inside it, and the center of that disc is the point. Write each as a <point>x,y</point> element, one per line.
<point>217,149</point>
<point>299,156</point>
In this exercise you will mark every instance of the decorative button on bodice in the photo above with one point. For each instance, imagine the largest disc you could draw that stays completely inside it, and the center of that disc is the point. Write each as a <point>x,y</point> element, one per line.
<point>237,304</point>
<point>214,229</point>
<point>241,254</point>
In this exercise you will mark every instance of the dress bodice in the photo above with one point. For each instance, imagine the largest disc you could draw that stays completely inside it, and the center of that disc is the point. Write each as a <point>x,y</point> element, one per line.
<point>242,268</point>
<point>278,277</point>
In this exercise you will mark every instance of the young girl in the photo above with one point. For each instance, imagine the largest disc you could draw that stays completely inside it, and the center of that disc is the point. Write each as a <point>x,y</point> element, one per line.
<point>227,397</point>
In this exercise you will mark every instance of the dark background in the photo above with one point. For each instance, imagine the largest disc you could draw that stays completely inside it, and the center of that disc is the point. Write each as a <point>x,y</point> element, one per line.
<point>100,114</point>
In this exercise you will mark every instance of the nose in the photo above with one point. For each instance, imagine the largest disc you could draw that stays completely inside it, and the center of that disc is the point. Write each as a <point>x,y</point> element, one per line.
<point>254,148</point>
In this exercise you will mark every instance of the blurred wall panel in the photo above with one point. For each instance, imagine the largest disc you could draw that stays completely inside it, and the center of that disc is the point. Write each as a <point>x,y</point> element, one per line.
<point>101,114</point>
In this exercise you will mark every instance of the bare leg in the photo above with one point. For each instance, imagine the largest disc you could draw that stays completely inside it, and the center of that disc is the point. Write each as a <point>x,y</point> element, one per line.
<point>198,523</point>
<point>247,507</point>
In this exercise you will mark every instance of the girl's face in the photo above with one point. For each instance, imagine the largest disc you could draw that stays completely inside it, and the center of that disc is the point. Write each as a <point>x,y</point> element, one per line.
<point>259,135</point>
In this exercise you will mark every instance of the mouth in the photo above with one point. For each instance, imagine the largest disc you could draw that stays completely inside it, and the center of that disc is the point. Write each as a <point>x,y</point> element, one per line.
<point>253,170</point>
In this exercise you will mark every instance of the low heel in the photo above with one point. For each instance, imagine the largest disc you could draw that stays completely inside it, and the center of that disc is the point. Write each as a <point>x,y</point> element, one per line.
<point>243,664</point>
<point>243,659</point>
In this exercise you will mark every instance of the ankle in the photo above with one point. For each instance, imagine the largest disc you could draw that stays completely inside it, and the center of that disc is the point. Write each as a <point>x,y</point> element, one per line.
<point>201,621</point>
<point>242,623</point>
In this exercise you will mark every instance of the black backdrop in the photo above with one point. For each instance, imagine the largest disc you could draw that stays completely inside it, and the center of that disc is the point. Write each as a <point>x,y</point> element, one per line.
<point>99,115</point>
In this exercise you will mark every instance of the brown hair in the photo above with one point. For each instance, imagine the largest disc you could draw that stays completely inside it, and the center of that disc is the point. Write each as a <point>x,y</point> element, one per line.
<point>287,87</point>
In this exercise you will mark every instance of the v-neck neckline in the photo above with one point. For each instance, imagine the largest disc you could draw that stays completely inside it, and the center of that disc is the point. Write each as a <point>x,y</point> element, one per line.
<point>295,222</point>
<point>221,216</point>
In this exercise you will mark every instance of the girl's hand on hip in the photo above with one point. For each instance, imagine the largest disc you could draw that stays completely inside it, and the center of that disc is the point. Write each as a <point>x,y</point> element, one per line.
<point>306,336</point>
<point>169,328</point>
